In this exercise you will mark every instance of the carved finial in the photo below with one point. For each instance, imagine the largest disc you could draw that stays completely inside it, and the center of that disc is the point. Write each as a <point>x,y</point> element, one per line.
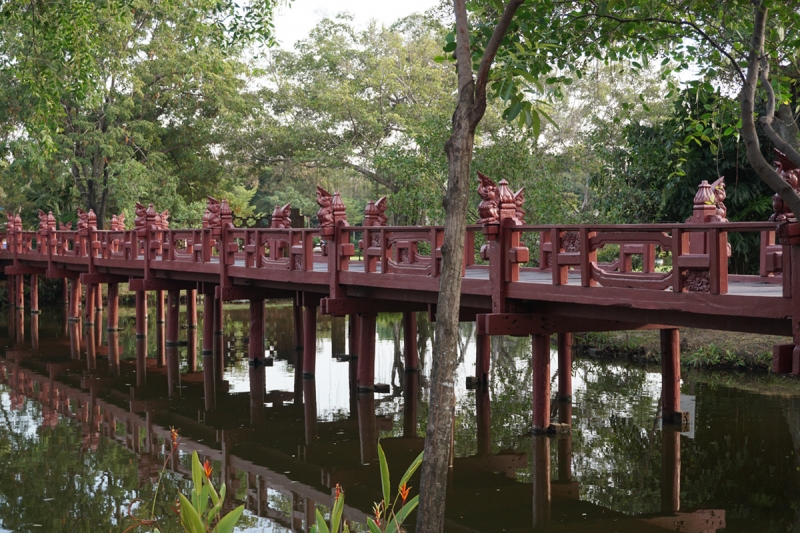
<point>488,208</point>
<point>381,205</point>
<point>705,195</point>
<point>10,224</point>
<point>370,215</point>
<point>508,206</point>
<point>91,219</point>
<point>325,213</point>
<point>225,214</point>
<point>339,210</point>
<point>211,216</point>
<point>281,217</point>
<point>42,221</point>
<point>718,188</point>
<point>51,221</point>
<point>140,217</point>
<point>519,201</point>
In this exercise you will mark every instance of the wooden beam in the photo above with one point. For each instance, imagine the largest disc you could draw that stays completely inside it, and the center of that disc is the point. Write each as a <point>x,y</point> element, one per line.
<point>348,306</point>
<point>523,324</point>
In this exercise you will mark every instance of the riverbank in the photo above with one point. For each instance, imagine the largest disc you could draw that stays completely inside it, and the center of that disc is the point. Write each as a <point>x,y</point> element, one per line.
<point>700,348</point>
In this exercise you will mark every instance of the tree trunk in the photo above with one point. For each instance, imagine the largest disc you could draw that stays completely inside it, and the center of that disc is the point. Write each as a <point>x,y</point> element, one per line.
<point>441,414</point>
<point>749,133</point>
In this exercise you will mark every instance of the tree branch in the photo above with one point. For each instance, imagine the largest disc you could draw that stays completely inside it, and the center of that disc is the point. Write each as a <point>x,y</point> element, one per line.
<point>749,133</point>
<point>769,115</point>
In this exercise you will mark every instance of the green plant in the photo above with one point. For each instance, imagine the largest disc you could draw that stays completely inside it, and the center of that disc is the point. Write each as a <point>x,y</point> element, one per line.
<point>386,520</point>
<point>198,516</point>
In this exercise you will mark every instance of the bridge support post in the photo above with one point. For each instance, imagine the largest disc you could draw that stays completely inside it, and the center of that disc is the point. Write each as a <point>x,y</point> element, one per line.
<point>88,309</point>
<point>670,375</point>
<point>255,353</point>
<point>113,308</point>
<point>113,353</point>
<point>297,313</point>
<point>34,294</point>
<point>173,365</point>
<point>75,300</point>
<point>366,353</point>
<point>219,340</point>
<point>565,444</point>
<point>353,341</point>
<point>98,298</point>
<point>795,294</point>
<point>65,292</point>
<point>541,480</point>
<point>410,403</point>
<point>410,341</point>
<point>483,357</point>
<point>367,428</point>
<point>541,382</point>
<point>310,410</point>
<point>565,367</point>
<point>35,331</point>
<point>670,470</point>
<point>161,336</point>
<point>209,385</point>
<point>141,338</point>
<point>191,329</point>
<point>19,291</point>
<point>309,339</point>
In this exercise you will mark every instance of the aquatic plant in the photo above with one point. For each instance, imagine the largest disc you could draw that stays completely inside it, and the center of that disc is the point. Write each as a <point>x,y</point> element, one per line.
<point>390,513</point>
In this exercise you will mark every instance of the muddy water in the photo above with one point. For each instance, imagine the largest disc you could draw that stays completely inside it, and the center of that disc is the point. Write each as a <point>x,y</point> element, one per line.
<point>83,435</point>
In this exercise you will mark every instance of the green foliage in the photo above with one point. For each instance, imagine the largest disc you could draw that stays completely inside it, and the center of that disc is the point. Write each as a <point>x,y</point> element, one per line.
<point>199,515</point>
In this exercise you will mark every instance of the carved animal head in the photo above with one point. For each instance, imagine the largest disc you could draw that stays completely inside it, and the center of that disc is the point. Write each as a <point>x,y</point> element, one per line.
<point>487,188</point>
<point>719,190</point>
<point>324,198</point>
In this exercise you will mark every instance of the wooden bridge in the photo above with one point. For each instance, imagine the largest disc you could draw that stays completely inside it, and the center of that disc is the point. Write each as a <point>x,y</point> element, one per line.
<point>361,271</point>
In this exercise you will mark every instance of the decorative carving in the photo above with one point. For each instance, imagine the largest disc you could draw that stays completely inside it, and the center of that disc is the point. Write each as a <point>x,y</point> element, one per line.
<point>571,241</point>
<point>211,216</point>
<point>381,206</point>
<point>83,221</point>
<point>404,255</point>
<point>488,208</point>
<point>719,199</point>
<point>140,217</point>
<point>18,223</point>
<point>64,227</point>
<point>791,174</point>
<point>118,222</point>
<point>298,262</point>
<point>281,217</point>
<point>225,214</point>
<point>339,211</point>
<point>508,206</point>
<point>519,201</point>
<point>325,213</point>
<point>43,227</point>
<point>375,240</point>
<point>162,220</point>
<point>10,224</point>
<point>51,221</point>
<point>697,280</point>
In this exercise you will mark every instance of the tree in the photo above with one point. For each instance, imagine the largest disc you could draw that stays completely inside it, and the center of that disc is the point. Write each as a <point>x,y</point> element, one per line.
<point>130,104</point>
<point>470,109</point>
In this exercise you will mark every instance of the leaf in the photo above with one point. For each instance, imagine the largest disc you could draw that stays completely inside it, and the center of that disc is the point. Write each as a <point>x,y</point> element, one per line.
<point>373,527</point>
<point>536,124</point>
<point>336,514</point>
<point>385,481</point>
<point>403,514</point>
<point>513,111</point>
<point>197,472</point>
<point>323,527</point>
<point>189,517</point>
<point>228,522</point>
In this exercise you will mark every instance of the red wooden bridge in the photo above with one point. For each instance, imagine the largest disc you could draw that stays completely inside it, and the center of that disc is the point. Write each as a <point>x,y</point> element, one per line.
<point>364,270</point>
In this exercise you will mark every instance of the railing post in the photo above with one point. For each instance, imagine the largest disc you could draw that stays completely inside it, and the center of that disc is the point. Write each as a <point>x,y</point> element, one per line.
<point>588,257</point>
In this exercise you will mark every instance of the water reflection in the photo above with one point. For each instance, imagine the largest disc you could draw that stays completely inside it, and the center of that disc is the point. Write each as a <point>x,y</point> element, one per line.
<point>282,442</point>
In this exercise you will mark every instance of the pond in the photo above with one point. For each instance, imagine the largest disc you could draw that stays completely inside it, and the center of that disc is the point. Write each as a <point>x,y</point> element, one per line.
<point>83,439</point>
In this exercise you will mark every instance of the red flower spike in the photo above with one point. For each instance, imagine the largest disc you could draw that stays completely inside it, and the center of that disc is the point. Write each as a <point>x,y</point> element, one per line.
<point>404,490</point>
<point>207,469</point>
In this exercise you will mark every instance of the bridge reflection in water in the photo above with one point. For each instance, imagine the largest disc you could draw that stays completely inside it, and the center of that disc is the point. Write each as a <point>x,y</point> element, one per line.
<point>274,436</point>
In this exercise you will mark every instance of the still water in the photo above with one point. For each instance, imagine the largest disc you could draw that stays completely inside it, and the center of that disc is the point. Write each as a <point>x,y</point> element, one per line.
<point>82,436</point>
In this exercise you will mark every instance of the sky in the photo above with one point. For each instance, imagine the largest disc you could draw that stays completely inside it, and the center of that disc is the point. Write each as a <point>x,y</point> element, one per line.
<point>295,21</point>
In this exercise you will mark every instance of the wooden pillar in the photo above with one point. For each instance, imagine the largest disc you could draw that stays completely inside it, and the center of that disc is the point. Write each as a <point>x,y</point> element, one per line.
<point>410,340</point>
<point>35,294</point>
<point>670,470</point>
<point>173,370</point>
<point>483,415</point>
<point>173,316</point>
<point>565,443</point>
<point>483,356</point>
<point>88,309</point>
<point>35,330</point>
<point>310,410</point>
<point>75,339</point>
<point>91,347</point>
<point>410,404</point>
<point>541,480</point>
<point>208,321</point>
<point>297,313</point>
<point>161,335</point>
<point>98,298</point>
<point>75,299</point>
<point>541,382</point>
<point>255,352</point>
<point>113,308</point>
<point>141,315</point>
<point>113,353</point>
<point>191,331</point>
<point>159,307</point>
<point>19,291</point>
<point>670,374</point>
<point>367,428</point>
<point>338,343</point>
<point>309,340</point>
<point>353,341</point>
<point>795,291</point>
<point>565,366</point>
<point>366,353</point>
<point>219,341</point>
<point>65,292</point>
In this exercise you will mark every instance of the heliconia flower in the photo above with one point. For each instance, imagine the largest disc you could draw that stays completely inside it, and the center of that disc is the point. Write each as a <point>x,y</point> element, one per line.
<point>404,490</point>
<point>377,508</point>
<point>207,469</point>
<point>173,433</point>
<point>338,491</point>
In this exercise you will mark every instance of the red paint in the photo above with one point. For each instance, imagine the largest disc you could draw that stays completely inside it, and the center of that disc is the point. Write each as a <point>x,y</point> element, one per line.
<point>173,315</point>
<point>541,382</point>
<point>309,340</point>
<point>34,293</point>
<point>565,366</point>
<point>410,340</point>
<point>366,353</point>
<point>297,313</point>
<point>670,373</point>
<point>113,307</point>
<point>483,357</point>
